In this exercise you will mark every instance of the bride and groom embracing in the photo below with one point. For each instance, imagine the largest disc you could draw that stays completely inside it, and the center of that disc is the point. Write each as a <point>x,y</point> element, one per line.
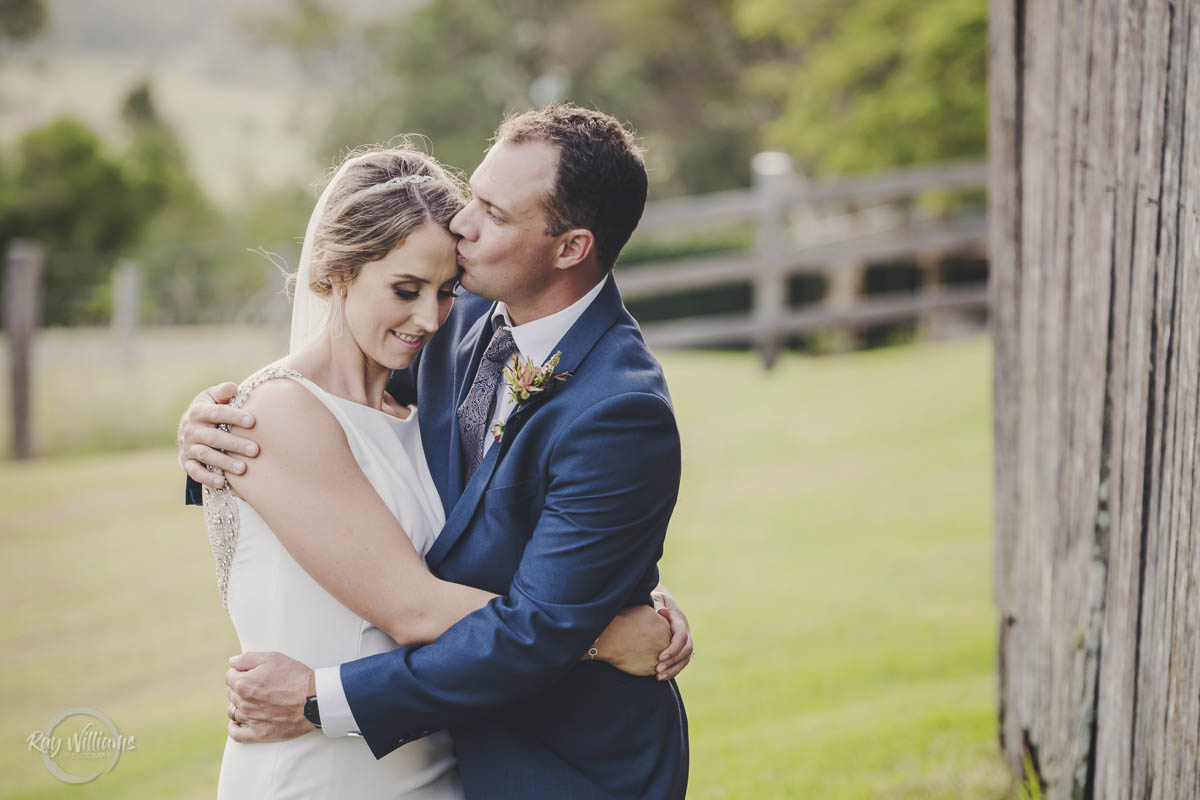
<point>465,590</point>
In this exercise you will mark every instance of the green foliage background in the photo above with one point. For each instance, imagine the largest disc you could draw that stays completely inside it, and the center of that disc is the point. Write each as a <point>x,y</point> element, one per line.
<point>870,84</point>
<point>842,85</point>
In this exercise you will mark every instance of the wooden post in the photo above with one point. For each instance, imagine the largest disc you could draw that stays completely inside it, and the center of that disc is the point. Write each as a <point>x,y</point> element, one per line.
<point>126,306</point>
<point>773,175</point>
<point>932,325</point>
<point>22,300</point>
<point>843,291</point>
<point>1095,289</point>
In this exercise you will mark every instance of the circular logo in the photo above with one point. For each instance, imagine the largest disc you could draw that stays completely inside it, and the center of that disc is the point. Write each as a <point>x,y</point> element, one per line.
<point>80,744</point>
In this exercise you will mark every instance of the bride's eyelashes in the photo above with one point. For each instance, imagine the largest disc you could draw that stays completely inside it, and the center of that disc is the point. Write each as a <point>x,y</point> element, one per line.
<point>413,294</point>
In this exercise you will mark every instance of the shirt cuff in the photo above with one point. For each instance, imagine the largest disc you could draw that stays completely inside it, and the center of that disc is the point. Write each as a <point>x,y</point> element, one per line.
<point>336,717</point>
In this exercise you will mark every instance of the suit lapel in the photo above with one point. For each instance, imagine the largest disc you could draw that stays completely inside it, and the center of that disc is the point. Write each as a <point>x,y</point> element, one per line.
<point>596,319</point>
<point>464,509</point>
<point>575,346</point>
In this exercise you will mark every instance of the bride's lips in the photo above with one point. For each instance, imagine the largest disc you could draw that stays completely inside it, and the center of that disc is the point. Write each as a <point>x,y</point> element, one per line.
<point>408,340</point>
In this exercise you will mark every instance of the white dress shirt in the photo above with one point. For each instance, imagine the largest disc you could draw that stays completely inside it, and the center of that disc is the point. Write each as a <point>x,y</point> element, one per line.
<point>535,341</point>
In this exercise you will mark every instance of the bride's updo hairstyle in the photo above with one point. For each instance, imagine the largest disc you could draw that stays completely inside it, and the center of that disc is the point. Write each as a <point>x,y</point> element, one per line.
<point>380,196</point>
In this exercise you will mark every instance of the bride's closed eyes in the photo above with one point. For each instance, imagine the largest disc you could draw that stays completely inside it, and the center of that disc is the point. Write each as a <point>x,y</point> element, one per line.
<point>410,292</point>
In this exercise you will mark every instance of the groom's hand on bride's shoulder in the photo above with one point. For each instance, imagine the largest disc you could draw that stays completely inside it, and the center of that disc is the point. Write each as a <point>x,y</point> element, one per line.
<point>201,442</point>
<point>267,692</point>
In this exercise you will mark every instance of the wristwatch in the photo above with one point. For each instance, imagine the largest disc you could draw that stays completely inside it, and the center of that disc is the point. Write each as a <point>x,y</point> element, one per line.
<point>311,712</point>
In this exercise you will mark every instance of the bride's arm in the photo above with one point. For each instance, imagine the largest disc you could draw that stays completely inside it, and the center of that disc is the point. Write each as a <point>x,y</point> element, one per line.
<point>311,492</point>
<point>309,489</point>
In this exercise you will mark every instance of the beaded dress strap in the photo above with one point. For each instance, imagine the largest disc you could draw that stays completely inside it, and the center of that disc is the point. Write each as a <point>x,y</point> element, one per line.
<point>258,379</point>
<point>220,505</point>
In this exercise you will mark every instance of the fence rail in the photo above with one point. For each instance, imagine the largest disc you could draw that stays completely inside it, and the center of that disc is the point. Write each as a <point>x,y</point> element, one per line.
<point>791,217</point>
<point>796,232</point>
<point>742,329</point>
<point>742,205</point>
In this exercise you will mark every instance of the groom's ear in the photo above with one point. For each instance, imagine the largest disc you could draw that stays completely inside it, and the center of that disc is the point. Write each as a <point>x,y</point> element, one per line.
<point>575,246</point>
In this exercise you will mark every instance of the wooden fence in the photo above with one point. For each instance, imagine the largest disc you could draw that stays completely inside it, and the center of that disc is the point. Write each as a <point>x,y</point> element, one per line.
<point>830,229</point>
<point>22,284</point>
<point>792,221</point>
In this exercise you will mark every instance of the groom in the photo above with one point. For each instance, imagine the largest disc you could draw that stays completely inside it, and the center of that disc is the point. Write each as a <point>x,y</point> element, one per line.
<point>559,502</point>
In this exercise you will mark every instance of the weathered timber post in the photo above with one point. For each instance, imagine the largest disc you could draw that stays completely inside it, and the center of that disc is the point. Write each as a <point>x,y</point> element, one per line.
<point>773,175</point>
<point>126,313</point>
<point>1095,293</point>
<point>22,300</point>
<point>843,291</point>
<point>932,325</point>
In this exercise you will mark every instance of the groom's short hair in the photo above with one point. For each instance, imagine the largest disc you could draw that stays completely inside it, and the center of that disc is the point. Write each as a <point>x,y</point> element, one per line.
<point>601,179</point>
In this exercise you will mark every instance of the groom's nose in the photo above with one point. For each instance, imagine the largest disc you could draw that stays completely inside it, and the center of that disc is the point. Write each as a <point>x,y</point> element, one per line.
<point>459,223</point>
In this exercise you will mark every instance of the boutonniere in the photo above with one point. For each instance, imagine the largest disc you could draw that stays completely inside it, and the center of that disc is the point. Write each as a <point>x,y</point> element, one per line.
<point>527,380</point>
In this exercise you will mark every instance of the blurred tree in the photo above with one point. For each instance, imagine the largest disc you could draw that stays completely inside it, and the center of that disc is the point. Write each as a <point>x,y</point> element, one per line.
<point>309,26</point>
<point>176,248</point>
<point>200,265</point>
<point>88,205</point>
<point>156,164</point>
<point>844,85</point>
<point>860,85</point>
<point>66,190</point>
<point>673,68</point>
<point>21,20</point>
<point>452,69</point>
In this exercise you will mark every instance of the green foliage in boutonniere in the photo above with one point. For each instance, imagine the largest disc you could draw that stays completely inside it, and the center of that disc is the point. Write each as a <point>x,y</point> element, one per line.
<point>527,380</point>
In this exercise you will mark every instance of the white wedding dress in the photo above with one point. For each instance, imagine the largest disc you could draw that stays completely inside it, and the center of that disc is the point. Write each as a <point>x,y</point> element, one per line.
<point>276,606</point>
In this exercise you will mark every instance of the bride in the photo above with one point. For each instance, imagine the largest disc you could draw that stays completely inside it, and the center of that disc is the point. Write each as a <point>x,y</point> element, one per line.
<point>314,561</point>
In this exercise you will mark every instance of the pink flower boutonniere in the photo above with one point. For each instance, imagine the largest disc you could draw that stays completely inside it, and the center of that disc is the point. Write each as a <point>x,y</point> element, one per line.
<point>527,380</point>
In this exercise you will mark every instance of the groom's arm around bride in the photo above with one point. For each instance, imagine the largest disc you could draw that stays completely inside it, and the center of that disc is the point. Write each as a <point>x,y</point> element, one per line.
<point>564,515</point>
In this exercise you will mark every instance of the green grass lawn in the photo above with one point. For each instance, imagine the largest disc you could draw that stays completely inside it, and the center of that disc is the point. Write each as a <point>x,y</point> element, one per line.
<point>831,545</point>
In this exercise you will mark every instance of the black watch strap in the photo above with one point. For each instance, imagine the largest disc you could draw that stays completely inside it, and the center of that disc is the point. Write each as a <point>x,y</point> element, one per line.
<point>311,712</point>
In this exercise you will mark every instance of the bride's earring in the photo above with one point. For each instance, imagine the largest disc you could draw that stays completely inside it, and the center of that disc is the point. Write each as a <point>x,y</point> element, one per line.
<point>337,314</point>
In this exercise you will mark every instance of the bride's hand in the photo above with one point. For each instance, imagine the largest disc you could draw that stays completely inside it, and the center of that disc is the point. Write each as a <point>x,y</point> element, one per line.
<point>633,641</point>
<point>680,651</point>
<point>202,442</point>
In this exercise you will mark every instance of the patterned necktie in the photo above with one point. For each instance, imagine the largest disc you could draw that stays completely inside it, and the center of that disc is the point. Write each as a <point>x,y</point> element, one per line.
<point>476,410</point>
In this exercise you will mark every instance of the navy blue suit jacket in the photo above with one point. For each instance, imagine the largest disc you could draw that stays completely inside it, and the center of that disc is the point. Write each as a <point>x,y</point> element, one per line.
<point>565,518</point>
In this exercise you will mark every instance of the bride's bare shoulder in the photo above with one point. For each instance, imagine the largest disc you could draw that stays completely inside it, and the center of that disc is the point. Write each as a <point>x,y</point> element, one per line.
<point>300,443</point>
<point>286,411</point>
